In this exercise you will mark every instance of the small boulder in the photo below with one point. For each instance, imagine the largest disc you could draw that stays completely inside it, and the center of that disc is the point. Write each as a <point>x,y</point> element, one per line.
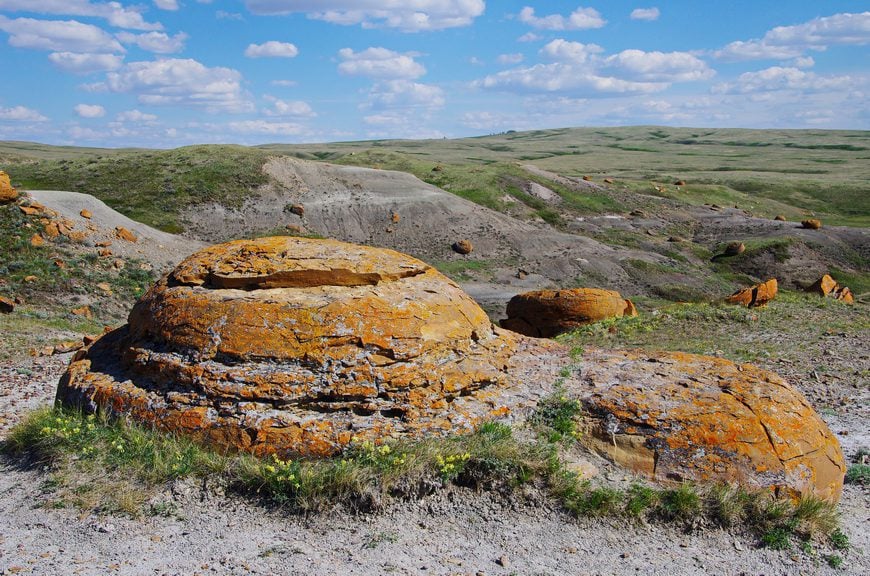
<point>734,248</point>
<point>7,192</point>
<point>463,247</point>
<point>828,287</point>
<point>608,180</point>
<point>30,210</point>
<point>546,313</point>
<point>395,218</point>
<point>86,214</point>
<point>83,311</point>
<point>587,178</point>
<point>780,218</point>
<point>754,296</point>
<point>37,240</point>
<point>811,224</point>
<point>7,305</point>
<point>298,209</point>
<point>124,234</point>
<point>680,183</point>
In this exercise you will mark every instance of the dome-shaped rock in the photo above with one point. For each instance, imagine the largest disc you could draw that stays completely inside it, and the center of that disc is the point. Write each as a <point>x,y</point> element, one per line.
<point>7,192</point>
<point>675,416</point>
<point>546,313</point>
<point>295,345</point>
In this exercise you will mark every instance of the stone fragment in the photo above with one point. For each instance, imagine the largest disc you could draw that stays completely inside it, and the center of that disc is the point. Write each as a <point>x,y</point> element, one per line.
<point>463,247</point>
<point>395,218</point>
<point>68,346</point>
<point>86,214</point>
<point>757,295</point>
<point>811,224</point>
<point>103,243</point>
<point>31,278</point>
<point>827,286</point>
<point>298,209</point>
<point>680,183</point>
<point>734,248</point>
<point>83,311</point>
<point>780,218</point>
<point>587,178</point>
<point>104,252</point>
<point>37,240</point>
<point>682,417</point>
<point>608,180</point>
<point>7,192</point>
<point>51,230</point>
<point>30,210</point>
<point>546,313</point>
<point>7,305</point>
<point>125,234</point>
<point>105,287</point>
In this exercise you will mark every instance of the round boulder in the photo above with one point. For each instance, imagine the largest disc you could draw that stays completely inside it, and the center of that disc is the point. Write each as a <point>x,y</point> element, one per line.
<point>7,192</point>
<point>546,313</point>
<point>297,346</point>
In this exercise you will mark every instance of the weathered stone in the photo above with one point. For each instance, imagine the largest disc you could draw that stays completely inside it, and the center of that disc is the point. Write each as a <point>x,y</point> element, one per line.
<point>68,346</point>
<point>83,311</point>
<point>546,313</point>
<point>587,178</point>
<point>7,305</point>
<point>298,209</point>
<point>811,224</point>
<point>780,218</point>
<point>675,416</point>
<point>30,210</point>
<point>293,345</point>
<point>86,214</point>
<point>37,240</point>
<point>757,295</point>
<point>395,218</point>
<point>7,192</point>
<point>734,248</point>
<point>608,180</point>
<point>680,183</point>
<point>827,286</point>
<point>124,234</point>
<point>463,247</point>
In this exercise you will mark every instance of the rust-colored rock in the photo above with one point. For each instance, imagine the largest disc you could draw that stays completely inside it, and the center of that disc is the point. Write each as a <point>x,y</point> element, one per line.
<point>828,287</point>
<point>395,218</point>
<point>83,311</point>
<point>780,218</point>
<point>546,313</point>
<point>734,248</point>
<point>296,346</point>
<point>124,234</point>
<point>680,183</point>
<point>104,252</point>
<point>587,178</point>
<point>675,416</point>
<point>608,180</point>
<point>463,247</point>
<point>811,224</point>
<point>67,346</point>
<point>7,305</point>
<point>30,210</point>
<point>298,209</point>
<point>103,243</point>
<point>757,295</point>
<point>7,192</point>
<point>86,214</point>
<point>37,240</point>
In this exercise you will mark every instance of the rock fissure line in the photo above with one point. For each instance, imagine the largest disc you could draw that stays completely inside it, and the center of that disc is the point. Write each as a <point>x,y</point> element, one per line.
<point>760,422</point>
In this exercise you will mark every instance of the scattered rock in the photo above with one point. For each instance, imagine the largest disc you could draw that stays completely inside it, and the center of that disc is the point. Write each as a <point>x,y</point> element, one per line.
<point>294,229</point>
<point>298,209</point>
<point>83,311</point>
<point>37,240</point>
<point>676,239</point>
<point>105,287</point>
<point>306,345</point>
<point>395,218</point>
<point>86,214</point>
<point>828,287</point>
<point>587,178</point>
<point>734,248</point>
<point>521,274</point>
<point>104,252</point>
<point>103,243</point>
<point>638,213</point>
<point>780,218</point>
<point>6,305</point>
<point>546,313</point>
<point>463,247</point>
<point>51,230</point>
<point>682,417</point>
<point>118,264</point>
<point>680,183</point>
<point>65,347</point>
<point>608,180</point>
<point>30,210</point>
<point>31,279</point>
<point>811,224</point>
<point>124,234</point>
<point>757,295</point>
<point>438,168</point>
<point>7,192</point>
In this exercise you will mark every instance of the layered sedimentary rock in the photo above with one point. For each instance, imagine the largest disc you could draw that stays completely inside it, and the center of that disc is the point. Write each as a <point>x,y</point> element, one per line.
<point>546,313</point>
<point>828,287</point>
<point>754,296</point>
<point>293,345</point>
<point>675,416</point>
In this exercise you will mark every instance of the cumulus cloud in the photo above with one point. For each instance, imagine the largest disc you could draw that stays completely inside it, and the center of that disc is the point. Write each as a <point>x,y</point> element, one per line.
<point>58,36</point>
<point>803,62</point>
<point>296,108</point>
<point>394,94</point>
<point>267,127</point>
<point>166,4</point>
<point>579,19</point>
<point>560,50</point>
<point>648,14</point>
<point>779,78</point>
<point>90,110</point>
<point>113,12</point>
<point>510,58</point>
<point>21,114</point>
<point>818,34</point>
<point>659,66</point>
<point>136,116</point>
<point>272,49</point>
<point>564,78</point>
<point>379,63</point>
<point>157,42</point>
<point>184,82</point>
<point>78,63</point>
<point>400,14</point>
<point>529,37</point>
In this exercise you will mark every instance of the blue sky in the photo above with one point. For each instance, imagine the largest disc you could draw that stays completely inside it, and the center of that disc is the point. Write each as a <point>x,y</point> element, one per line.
<point>166,73</point>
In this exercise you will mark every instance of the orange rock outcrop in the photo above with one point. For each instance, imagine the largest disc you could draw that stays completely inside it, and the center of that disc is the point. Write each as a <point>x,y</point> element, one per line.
<point>7,192</point>
<point>828,287</point>
<point>546,313</point>
<point>754,296</point>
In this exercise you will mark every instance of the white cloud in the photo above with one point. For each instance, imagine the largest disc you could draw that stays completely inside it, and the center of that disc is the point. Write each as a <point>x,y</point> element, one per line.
<point>286,83</point>
<point>184,82</point>
<point>510,58</point>
<point>166,4</point>
<point>579,19</point>
<point>267,127</point>
<point>560,50</point>
<point>394,94</point>
<point>564,78</point>
<point>803,62</point>
<point>136,116</point>
<point>223,15</point>
<point>648,14</point>
<point>406,16</point>
<point>21,114</point>
<point>379,63</point>
<point>84,63</point>
<point>58,36</point>
<point>272,49</point>
<point>659,66</point>
<point>785,42</point>
<point>296,108</point>
<point>778,78</point>
<point>113,12</point>
<point>90,110</point>
<point>157,42</point>
<point>529,37</point>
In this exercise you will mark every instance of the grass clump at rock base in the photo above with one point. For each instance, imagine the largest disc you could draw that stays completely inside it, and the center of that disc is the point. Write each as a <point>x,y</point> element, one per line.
<point>111,466</point>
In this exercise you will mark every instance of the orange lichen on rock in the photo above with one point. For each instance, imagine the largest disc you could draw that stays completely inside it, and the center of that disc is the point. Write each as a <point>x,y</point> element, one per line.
<point>303,344</point>
<point>811,224</point>
<point>125,234</point>
<point>676,416</point>
<point>828,287</point>
<point>546,313</point>
<point>757,295</point>
<point>7,192</point>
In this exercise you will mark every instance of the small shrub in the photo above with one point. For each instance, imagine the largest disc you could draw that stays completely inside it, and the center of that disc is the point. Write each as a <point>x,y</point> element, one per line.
<point>682,504</point>
<point>641,500</point>
<point>858,474</point>
<point>778,538</point>
<point>839,540</point>
<point>834,561</point>
<point>559,414</point>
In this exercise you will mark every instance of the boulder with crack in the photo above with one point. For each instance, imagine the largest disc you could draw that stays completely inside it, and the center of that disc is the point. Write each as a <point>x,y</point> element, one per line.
<point>546,313</point>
